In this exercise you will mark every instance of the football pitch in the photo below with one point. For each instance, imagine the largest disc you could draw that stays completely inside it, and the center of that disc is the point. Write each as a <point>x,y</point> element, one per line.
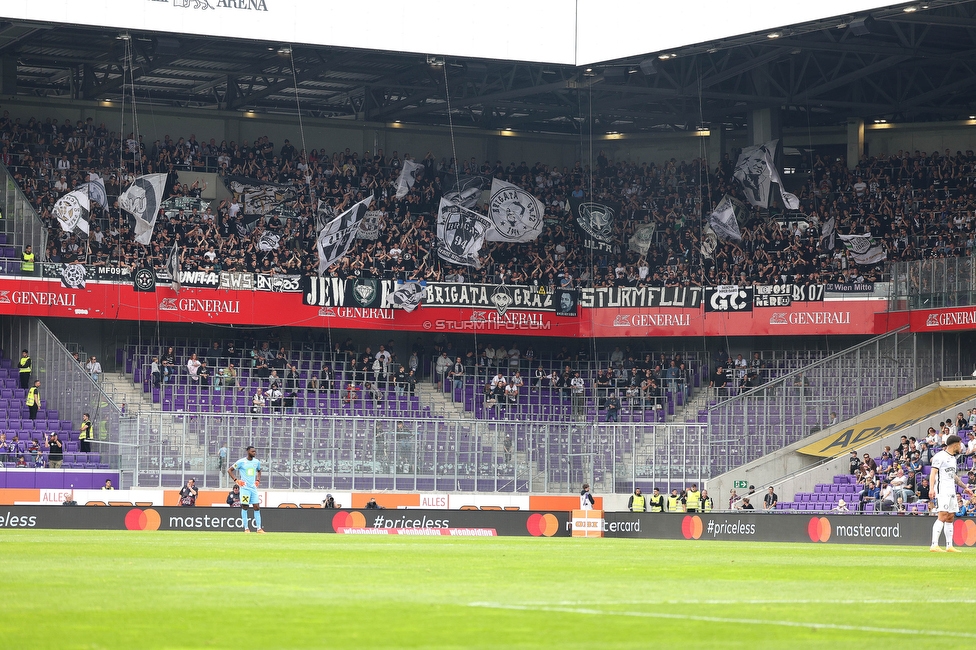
<point>87,589</point>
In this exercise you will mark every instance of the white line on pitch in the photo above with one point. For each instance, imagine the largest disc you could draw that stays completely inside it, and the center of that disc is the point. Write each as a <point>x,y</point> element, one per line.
<point>879,601</point>
<point>733,621</point>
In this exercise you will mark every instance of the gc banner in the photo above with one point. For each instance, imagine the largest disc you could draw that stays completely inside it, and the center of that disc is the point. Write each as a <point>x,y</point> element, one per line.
<point>731,298</point>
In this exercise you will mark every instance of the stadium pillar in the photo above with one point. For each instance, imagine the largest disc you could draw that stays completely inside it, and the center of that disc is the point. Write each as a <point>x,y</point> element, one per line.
<point>764,125</point>
<point>8,75</point>
<point>715,145</point>
<point>855,141</point>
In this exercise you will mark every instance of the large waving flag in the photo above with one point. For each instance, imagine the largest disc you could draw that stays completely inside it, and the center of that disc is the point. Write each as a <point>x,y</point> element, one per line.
<point>336,238</point>
<point>142,201</point>
<point>408,176</point>
<point>516,215</point>
<point>95,188</point>
<point>460,234</point>
<point>757,173</point>
<point>72,212</point>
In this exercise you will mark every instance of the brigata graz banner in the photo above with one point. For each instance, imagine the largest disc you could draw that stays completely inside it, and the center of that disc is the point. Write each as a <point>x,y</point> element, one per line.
<point>447,307</point>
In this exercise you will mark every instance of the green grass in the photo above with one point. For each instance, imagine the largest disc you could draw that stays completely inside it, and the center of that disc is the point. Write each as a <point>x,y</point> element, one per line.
<point>79,589</point>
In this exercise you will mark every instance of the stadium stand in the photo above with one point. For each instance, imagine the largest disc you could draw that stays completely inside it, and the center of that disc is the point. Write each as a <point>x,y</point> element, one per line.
<point>917,203</point>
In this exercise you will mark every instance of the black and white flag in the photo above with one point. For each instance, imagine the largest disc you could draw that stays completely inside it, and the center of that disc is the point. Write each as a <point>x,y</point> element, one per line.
<point>724,219</point>
<point>596,222</point>
<point>709,242</point>
<point>95,188</point>
<point>640,241</point>
<point>460,234</point>
<point>865,249</point>
<point>408,176</point>
<point>173,267</point>
<point>516,215</point>
<point>72,212</point>
<point>371,225</point>
<point>324,213</point>
<point>409,294</point>
<point>257,197</point>
<point>335,240</point>
<point>269,241</point>
<point>471,192</point>
<point>756,172</point>
<point>142,201</point>
<point>73,276</point>
<point>828,234</point>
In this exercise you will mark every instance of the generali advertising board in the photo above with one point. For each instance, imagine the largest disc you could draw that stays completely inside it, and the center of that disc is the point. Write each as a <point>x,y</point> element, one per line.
<point>725,312</point>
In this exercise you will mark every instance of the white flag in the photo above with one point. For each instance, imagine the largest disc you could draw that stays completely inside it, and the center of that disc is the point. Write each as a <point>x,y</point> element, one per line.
<point>460,234</point>
<point>865,249</point>
<point>409,294</point>
<point>724,221</point>
<point>640,241</point>
<point>756,172</point>
<point>269,242</point>
<point>95,188</point>
<point>142,201</point>
<point>72,212</point>
<point>516,215</point>
<point>335,240</point>
<point>828,234</point>
<point>173,267</point>
<point>408,176</point>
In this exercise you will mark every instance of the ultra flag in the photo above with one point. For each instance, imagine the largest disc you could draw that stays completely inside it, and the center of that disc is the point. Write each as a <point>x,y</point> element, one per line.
<point>757,173</point>
<point>865,249</point>
<point>407,178</point>
<point>460,234</point>
<point>142,201</point>
<point>335,240</point>
<point>409,294</point>
<point>516,215</point>
<point>95,188</point>
<point>72,212</point>
<point>724,219</point>
<point>173,267</point>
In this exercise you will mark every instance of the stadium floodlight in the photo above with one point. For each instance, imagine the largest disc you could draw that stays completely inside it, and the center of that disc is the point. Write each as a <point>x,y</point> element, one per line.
<point>647,67</point>
<point>862,26</point>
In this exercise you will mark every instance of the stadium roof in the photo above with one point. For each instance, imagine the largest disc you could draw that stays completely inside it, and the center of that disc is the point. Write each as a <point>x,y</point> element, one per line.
<point>908,62</point>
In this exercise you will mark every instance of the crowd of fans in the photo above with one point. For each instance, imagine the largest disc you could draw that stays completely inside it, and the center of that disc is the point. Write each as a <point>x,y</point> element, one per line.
<point>896,479</point>
<point>918,204</point>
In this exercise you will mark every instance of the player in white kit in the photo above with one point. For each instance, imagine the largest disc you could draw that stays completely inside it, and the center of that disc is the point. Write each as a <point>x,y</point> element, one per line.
<point>942,492</point>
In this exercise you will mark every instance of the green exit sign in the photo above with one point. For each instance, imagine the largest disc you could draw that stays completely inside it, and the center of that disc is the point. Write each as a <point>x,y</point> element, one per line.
<point>740,485</point>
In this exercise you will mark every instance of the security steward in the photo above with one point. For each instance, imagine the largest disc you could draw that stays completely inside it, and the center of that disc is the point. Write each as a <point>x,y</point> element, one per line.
<point>85,435</point>
<point>674,501</point>
<point>656,501</point>
<point>637,503</point>
<point>692,500</point>
<point>34,399</point>
<point>25,369</point>
<point>706,502</point>
<point>27,260</point>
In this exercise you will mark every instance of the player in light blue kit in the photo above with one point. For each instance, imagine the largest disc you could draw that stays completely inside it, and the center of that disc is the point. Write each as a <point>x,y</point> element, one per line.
<point>248,477</point>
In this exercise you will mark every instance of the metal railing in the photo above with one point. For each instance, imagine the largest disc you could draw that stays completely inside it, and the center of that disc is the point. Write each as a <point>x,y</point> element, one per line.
<point>19,219</point>
<point>792,407</point>
<point>65,386</point>
<point>933,283</point>
<point>427,455</point>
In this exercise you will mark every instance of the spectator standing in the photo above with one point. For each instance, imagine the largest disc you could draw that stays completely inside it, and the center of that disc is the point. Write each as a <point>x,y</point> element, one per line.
<point>34,399</point>
<point>442,367</point>
<point>586,499</point>
<point>55,456</point>
<point>86,434</point>
<point>24,368</point>
<point>193,367</point>
<point>93,368</point>
<point>613,407</point>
